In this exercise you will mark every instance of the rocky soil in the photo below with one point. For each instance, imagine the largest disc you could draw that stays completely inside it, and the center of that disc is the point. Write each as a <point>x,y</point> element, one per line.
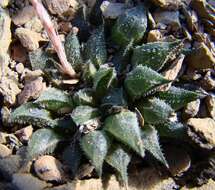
<point>37,147</point>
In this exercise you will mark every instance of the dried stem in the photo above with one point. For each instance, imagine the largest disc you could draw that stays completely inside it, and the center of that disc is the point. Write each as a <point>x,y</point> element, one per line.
<point>54,38</point>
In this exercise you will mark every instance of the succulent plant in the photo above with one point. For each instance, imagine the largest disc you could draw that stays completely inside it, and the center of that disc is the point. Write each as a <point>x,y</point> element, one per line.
<point>130,26</point>
<point>102,114</point>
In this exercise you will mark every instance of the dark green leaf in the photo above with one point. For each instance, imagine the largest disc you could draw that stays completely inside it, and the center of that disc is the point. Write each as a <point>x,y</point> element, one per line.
<point>72,157</point>
<point>55,100</point>
<point>72,49</point>
<point>178,97</point>
<point>155,110</point>
<point>151,143</point>
<point>29,113</point>
<point>119,159</point>
<point>95,47</point>
<point>122,58</point>
<point>84,97</point>
<point>125,128</point>
<point>40,59</point>
<point>172,130</point>
<point>89,71</point>
<point>64,124</point>
<point>104,78</point>
<point>43,141</point>
<point>130,26</point>
<point>95,145</point>
<point>156,54</point>
<point>142,81</point>
<point>115,98</point>
<point>82,114</point>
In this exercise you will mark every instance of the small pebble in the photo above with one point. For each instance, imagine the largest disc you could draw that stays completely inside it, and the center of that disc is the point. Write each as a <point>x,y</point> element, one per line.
<point>19,68</point>
<point>32,90</point>
<point>210,102</point>
<point>29,38</point>
<point>191,109</point>
<point>154,36</point>
<point>24,134</point>
<point>65,27</point>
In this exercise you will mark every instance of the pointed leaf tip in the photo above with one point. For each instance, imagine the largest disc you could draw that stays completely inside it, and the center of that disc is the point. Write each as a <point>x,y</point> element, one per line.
<point>72,50</point>
<point>177,98</point>
<point>156,54</point>
<point>155,111</point>
<point>142,81</point>
<point>151,143</point>
<point>95,145</point>
<point>96,47</point>
<point>125,128</point>
<point>29,113</point>
<point>104,79</point>
<point>119,159</point>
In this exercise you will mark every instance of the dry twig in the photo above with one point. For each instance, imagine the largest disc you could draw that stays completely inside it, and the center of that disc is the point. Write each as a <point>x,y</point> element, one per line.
<point>65,67</point>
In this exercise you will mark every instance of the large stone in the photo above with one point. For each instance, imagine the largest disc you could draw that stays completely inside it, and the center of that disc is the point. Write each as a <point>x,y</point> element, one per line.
<point>48,168</point>
<point>201,58</point>
<point>208,82</point>
<point>169,18</point>
<point>32,90</point>
<point>29,38</point>
<point>62,7</point>
<point>24,15</point>
<point>202,131</point>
